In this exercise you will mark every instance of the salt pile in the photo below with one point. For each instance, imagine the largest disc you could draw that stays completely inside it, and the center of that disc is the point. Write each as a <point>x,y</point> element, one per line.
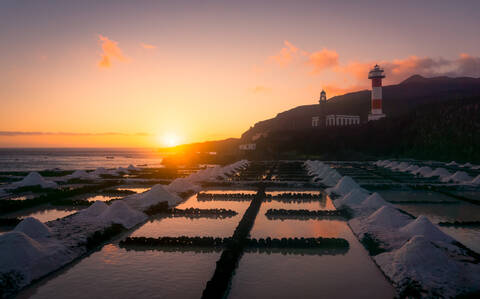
<point>119,212</point>
<point>181,185</point>
<point>344,186</point>
<point>476,181</point>
<point>33,228</point>
<point>439,172</point>
<point>331,178</point>
<point>374,201</point>
<point>97,208</point>
<point>34,179</point>
<point>421,261</point>
<point>423,226</point>
<point>423,171</point>
<point>412,168</point>
<point>132,168</point>
<point>458,177</point>
<point>80,174</point>
<point>452,163</point>
<point>387,217</point>
<point>353,198</point>
<point>391,165</point>
<point>102,171</point>
<point>402,166</point>
<point>156,194</point>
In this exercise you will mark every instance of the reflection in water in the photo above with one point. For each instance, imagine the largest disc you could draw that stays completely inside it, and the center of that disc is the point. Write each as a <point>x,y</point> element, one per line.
<point>117,273</point>
<point>468,236</point>
<point>50,214</point>
<point>102,198</point>
<point>309,275</point>
<point>181,226</point>
<point>135,189</point>
<point>193,202</point>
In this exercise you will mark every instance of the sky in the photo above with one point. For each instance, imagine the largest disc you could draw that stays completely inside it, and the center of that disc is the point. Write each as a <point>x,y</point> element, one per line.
<point>159,73</point>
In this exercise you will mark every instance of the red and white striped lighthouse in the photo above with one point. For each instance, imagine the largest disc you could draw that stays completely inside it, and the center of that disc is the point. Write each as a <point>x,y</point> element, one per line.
<point>376,74</point>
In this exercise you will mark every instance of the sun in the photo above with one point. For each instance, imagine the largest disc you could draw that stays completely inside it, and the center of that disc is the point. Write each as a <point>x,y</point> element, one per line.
<point>168,139</point>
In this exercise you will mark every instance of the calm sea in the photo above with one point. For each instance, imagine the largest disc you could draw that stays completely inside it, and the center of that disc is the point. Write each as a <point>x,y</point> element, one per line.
<point>27,159</point>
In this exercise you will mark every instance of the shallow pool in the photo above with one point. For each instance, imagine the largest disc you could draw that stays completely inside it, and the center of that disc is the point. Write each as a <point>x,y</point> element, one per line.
<point>102,198</point>
<point>349,275</point>
<point>114,272</point>
<point>46,215</point>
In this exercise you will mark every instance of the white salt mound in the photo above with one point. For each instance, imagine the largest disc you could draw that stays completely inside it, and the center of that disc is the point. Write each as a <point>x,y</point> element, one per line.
<point>33,228</point>
<point>156,194</point>
<point>452,163</point>
<point>391,164</point>
<point>412,168</point>
<point>440,172</point>
<point>374,201</point>
<point>476,181</point>
<point>35,179</point>
<point>423,226</point>
<point>458,177</point>
<point>402,166</point>
<point>421,261</point>
<point>32,258</point>
<point>388,217</point>
<point>80,174</point>
<point>181,185</point>
<point>344,186</point>
<point>353,198</point>
<point>119,212</point>
<point>423,171</point>
<point>131,167</point>
<point>97,208</point>
<point>330,180</point>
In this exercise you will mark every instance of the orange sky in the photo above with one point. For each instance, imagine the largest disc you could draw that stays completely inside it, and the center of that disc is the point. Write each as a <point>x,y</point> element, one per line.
<point>75,77</point>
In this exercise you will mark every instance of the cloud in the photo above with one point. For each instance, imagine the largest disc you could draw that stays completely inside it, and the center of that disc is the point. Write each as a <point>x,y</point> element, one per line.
<point>110,51</point>
<point>398,70</point>
<point>286,54</point>
<point>319,60</point>
<point>148,46</point>
<point>37,133</point>
<point>333,89</point>
<point>260,89</point>
<point>322,60</point>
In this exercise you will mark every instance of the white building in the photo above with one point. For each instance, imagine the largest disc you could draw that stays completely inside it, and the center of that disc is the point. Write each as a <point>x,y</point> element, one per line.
<point>248,147</point>
<point>341,120</point>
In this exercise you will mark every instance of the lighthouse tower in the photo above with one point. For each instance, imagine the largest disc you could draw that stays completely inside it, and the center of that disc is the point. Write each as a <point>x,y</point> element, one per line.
<point>376,74</point>
<point>323,97</point>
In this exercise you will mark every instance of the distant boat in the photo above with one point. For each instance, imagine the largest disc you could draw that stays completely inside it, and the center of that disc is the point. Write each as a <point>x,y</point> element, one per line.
<point>110,157</point>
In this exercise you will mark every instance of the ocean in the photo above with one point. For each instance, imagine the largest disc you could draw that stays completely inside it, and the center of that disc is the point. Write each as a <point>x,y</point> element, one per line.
<point>35,159</point>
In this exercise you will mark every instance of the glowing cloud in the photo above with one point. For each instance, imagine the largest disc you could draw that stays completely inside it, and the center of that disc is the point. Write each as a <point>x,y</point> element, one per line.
<point>260,89</point>
<point>286,54</point>
<point>111,51</point>
<point>322,60</point>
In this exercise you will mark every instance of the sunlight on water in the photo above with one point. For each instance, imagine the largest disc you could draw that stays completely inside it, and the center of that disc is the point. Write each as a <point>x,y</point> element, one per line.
<point>114,272</point>
<point>102,198</point>
<point>50,214</point>
<point>136,189</point>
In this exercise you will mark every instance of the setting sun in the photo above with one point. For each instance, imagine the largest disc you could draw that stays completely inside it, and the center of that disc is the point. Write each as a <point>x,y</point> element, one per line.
<point>168,139</point>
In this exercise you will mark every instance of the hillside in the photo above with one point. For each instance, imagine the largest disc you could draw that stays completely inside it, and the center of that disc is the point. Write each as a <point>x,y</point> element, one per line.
<point>398,100</point>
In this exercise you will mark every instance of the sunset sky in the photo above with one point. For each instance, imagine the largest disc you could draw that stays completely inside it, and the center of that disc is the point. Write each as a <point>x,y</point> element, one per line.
<point>156,73</point>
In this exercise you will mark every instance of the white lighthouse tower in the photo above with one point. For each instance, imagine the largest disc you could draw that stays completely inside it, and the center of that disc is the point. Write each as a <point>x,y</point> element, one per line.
<point>376,74</point>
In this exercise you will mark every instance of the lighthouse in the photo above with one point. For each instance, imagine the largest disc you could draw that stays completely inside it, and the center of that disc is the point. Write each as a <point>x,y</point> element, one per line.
<point>376,74</point>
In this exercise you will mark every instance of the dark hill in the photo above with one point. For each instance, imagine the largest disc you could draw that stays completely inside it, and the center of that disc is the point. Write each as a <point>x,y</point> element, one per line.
<point>398,100</point>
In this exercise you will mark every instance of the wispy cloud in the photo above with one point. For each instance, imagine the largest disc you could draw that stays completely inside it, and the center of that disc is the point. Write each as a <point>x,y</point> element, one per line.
<point>38,133</point>
<point>148,46</point>
<point>286,55</point>
<point>110,52</point>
